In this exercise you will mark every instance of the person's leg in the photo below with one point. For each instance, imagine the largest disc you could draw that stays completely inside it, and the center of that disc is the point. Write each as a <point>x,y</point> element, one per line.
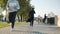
<point>13,19</point>
<point>9,17</point>
<point>43,20</point>
<point>12,25</point>
<point>31,23</point>
<point>38,20</point>
<point>5,19</point>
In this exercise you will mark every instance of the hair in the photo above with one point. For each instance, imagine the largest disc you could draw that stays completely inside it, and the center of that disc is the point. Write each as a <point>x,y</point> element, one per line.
<point>32,8</point>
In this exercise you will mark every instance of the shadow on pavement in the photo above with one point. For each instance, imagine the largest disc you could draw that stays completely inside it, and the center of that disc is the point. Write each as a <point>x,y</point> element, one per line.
<point>33,32</point>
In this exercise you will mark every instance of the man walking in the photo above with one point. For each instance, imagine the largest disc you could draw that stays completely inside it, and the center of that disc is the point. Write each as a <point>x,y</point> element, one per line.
<point>31,14</point>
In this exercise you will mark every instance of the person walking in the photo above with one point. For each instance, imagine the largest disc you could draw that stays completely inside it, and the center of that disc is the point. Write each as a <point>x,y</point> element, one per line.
<point>4,15</point>
<point>45,17</point>
<point>39,20</point>
<point>12,6</point>
<point>31,14</point>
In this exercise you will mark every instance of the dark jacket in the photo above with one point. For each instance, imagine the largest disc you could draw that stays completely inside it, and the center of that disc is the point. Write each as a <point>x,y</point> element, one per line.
<point>31,15</point>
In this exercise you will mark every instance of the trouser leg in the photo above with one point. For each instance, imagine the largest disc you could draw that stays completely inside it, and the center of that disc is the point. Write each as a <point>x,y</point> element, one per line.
<point>31,23</point>
<point>12,18</point>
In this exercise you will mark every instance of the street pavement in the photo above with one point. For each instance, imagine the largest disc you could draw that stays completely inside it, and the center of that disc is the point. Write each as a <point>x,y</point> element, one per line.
<point>40,28</point>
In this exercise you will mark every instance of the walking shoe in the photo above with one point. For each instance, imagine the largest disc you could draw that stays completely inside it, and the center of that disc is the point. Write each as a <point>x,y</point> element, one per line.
<point>12,29</point>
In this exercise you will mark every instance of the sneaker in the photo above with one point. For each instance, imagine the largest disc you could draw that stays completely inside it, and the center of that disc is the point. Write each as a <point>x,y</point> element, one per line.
<point>12,29</point>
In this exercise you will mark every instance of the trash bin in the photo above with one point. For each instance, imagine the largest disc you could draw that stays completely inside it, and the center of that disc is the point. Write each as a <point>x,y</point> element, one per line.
<point>51,20</point>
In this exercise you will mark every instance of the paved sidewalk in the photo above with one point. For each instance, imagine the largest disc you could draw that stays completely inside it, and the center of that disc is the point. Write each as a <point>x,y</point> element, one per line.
<point>36,29</point>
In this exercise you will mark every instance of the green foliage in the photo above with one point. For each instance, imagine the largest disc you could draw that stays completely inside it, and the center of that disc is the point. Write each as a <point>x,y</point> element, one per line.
<point>5,24</point>
<point>24,7</point>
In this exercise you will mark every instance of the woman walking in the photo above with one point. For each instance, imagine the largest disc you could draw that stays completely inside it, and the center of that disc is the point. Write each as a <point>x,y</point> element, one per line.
<point>12,6</point>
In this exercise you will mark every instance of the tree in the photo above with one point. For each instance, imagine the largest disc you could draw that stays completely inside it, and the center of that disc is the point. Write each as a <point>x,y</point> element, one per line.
<point>4,3</point>
<point>24,8</point>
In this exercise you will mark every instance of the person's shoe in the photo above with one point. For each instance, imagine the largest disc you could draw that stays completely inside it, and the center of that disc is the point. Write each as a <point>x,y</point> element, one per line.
<point>31,25</point>
<point>12,29</point>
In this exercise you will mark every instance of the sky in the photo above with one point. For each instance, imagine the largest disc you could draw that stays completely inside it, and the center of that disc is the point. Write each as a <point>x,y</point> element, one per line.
<point>46,6</point>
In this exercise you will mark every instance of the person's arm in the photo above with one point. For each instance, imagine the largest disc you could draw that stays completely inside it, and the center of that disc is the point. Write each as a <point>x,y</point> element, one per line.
<point>18,6</point>
<point>34,12</point>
